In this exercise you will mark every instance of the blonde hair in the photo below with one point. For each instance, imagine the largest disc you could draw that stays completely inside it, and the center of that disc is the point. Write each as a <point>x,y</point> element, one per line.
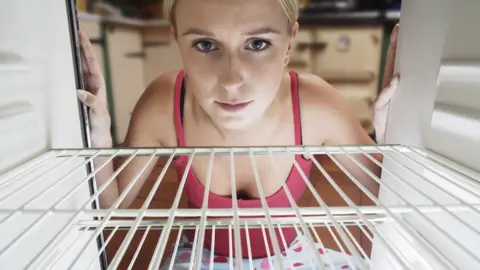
<point>290,7</point>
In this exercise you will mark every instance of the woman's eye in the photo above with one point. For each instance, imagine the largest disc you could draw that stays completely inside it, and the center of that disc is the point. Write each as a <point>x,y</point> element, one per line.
<point>258,45</point>
<point>205,46</point>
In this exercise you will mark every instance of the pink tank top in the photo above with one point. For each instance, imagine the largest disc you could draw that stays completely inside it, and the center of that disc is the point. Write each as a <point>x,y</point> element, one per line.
<point>195,190</point>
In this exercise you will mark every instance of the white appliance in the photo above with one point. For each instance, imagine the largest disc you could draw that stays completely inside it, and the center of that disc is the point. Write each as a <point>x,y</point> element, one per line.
<point>427,215</point>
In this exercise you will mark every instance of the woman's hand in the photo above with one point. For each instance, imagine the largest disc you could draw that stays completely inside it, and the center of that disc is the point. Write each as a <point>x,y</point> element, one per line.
<point>389,86</point>
<point>94,96</point>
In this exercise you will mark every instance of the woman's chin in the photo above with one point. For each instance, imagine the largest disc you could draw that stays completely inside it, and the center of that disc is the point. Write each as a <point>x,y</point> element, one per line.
<point>238,120</point>
<point>237,124</point>
<point>234,122</point>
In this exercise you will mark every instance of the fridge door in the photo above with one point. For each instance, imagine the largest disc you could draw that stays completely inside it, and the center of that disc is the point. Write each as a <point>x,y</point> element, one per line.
<point>437,108</point>
<point>39,111</point>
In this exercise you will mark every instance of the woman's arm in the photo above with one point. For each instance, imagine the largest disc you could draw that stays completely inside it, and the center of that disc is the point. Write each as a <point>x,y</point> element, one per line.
<point>329,119</point>
<point>343,125</point>
<point>141,133</point>
<point>346,130</point>
<point>145,130</point>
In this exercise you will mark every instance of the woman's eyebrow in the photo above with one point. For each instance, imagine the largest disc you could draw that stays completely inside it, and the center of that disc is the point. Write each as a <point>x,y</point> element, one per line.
<point>262,30</point>
<point>258,31</point>
<point>196,31</point>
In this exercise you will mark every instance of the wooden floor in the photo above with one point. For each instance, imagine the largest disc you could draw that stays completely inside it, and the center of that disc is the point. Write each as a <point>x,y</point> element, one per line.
<point>169,188</point>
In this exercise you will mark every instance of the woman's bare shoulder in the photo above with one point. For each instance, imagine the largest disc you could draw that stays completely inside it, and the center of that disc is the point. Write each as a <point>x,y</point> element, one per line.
<point>322,107</point>
<point>160,92</point>
<point>152,118</point>
<point>316,89</point>
<point>318,95</point>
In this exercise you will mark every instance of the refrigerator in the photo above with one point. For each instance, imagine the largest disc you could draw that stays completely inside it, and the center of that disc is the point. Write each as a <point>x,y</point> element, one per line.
<point>427,215</point>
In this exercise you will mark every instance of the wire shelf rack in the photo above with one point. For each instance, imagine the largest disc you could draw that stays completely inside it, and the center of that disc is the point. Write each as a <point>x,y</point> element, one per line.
<point>426,217</point>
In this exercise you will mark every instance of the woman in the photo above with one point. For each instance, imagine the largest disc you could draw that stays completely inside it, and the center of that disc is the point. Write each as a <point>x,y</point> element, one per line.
<point>234,90</point>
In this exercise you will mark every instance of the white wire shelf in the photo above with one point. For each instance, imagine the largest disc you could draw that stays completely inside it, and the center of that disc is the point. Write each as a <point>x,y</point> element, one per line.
<point>427,215</point>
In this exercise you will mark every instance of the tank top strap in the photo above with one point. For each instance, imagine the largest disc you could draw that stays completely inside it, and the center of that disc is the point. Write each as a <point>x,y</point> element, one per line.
<point>297,121</point>
<point>177,109</point>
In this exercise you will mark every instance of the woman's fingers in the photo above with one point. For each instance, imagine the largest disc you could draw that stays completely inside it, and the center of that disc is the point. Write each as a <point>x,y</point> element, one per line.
<point>390,80</point>
<point>99,119</point>
<point>90,63</point>
<point>390,58</point>
<point>95,97</point>
<point>93,77</point>
<point>389,87</point>
<point>387,93</point>
<point>91,101</point>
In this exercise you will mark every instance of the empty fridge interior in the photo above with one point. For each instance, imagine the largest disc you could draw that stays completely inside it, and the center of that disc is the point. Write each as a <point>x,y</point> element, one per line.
<point>38,108</point>
<point>427,216</point>
<point>444,192</point>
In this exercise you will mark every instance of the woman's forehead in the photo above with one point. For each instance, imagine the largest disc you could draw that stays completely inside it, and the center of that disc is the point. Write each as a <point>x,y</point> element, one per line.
<point>240,15</point>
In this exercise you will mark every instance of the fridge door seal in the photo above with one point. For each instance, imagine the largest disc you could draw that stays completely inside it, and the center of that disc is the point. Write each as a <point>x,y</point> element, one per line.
<point>83,110</point>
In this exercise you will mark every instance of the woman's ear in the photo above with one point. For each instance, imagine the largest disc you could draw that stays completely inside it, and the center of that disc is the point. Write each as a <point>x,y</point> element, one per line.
<point>291,39</point>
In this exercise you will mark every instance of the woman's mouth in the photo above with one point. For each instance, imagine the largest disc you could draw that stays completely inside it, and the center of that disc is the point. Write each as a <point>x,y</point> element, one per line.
<point>233,107</point>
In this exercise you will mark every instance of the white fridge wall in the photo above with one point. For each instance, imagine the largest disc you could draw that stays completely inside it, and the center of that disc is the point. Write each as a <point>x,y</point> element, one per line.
<point>38,111</point>
<point>438,57</point>
<point>455,127</point>
<point>437,107</point>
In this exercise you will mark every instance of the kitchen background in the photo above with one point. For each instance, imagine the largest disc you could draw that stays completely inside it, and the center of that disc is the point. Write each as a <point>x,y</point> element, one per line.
<point>344,42</point>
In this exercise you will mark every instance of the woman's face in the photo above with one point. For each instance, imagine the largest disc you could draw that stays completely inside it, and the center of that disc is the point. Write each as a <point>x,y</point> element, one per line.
<point>234,53</point>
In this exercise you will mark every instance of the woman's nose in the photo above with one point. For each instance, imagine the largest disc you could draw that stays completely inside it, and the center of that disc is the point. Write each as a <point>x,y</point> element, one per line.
<point>232,75</point>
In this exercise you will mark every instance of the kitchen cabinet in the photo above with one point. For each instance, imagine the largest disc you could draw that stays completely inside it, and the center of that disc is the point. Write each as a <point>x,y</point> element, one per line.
<point>125,53</point>
<point>161,52</point>
<point>301,57</point>
<point>138,52</point>
<point>351,63</point>
<point>348,57</point>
